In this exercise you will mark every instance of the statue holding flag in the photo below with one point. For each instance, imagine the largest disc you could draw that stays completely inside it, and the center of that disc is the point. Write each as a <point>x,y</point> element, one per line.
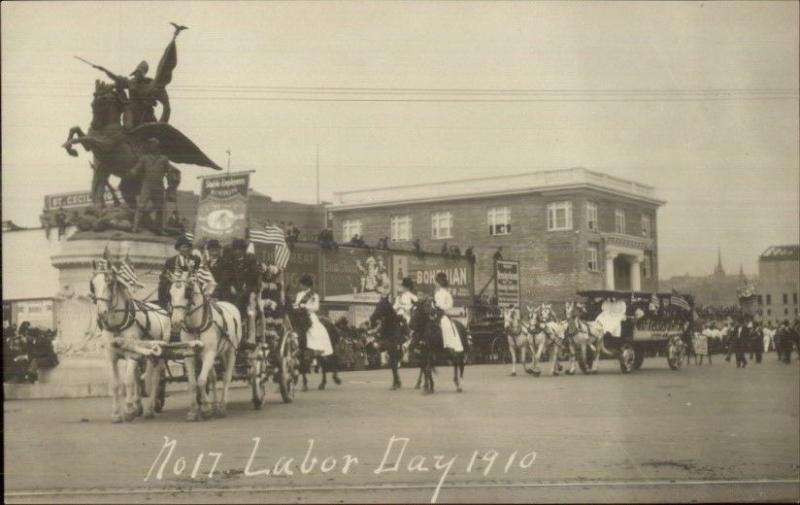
<point>124,123</point>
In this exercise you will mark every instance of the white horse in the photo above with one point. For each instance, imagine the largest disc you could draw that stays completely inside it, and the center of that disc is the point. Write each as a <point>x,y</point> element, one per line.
<point>122,317</point>
<point>548,333</point>
<point>218,327</point>
<point>519,340</point>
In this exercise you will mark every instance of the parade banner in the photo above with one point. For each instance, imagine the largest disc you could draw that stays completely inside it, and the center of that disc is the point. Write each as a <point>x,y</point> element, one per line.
<point>354,274</point>
<point>507,284</point>
<point>423,270</point>
<point>222,212</point>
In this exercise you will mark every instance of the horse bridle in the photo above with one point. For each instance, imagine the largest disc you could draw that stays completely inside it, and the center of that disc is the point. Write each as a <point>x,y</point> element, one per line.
<point>111,281</point>
<point>205,306</point>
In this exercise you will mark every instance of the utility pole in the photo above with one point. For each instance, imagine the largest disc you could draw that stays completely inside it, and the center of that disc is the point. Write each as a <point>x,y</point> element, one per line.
<point>317,174</point>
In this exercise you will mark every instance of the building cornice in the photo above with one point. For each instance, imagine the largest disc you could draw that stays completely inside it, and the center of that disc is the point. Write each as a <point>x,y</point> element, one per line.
<point>539,182</point>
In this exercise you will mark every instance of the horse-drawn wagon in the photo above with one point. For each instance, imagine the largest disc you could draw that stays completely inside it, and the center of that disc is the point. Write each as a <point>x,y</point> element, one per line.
<point>630,325</point>
<point>489,343</point>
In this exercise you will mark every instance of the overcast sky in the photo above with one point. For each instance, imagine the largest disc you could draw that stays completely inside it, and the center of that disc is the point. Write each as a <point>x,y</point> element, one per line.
<point>717,134</point>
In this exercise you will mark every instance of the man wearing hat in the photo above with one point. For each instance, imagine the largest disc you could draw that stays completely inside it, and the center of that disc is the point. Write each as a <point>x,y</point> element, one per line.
<point>215,265</point>
<point>241,280</point>
<point>151,169</point>
<point>184,260</point>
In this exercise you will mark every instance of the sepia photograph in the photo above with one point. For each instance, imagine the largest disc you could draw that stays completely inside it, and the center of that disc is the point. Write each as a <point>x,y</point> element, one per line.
<point>400,252</point>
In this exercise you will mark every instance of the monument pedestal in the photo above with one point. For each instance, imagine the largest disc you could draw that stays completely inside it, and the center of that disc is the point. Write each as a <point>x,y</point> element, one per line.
<point>83,369</point>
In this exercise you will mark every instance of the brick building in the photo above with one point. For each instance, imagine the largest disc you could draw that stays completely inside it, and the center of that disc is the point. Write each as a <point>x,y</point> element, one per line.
<point>569,229</point>
<point>779,283</point>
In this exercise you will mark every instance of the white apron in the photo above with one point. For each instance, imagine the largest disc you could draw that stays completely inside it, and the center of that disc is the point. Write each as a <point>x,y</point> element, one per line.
<point>317,338</point>
<point>444,300</point>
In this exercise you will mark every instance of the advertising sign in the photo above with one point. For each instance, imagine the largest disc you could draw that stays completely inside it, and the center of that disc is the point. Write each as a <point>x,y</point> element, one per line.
<point>222,213</point>
<point>75,199</point>
<point>423,270</point>
<point>507,283</point>
<point>354,275</point>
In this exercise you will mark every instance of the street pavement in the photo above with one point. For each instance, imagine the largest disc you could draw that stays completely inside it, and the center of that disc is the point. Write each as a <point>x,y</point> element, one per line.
<point>710,433</point>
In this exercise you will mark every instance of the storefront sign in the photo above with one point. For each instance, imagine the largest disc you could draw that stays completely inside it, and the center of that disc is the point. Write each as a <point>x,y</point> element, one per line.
<point>423,271</point>
<point>74,200</point>
<point>507,283</point>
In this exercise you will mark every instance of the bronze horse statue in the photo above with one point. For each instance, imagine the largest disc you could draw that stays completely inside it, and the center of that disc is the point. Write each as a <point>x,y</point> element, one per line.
<point>116,150</point>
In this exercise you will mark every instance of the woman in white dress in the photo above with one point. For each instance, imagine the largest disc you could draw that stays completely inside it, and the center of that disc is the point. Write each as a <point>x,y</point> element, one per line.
<point>444,301</point>
<point>405,299</point>
<point>317,338</point>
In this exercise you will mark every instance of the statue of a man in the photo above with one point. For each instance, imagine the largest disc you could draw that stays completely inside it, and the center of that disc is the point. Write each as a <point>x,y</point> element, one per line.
<point>144,92</point>
<point>151,168</point>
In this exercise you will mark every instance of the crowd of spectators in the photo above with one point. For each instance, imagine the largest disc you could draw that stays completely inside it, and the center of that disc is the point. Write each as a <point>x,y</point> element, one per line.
<point>26,351</point>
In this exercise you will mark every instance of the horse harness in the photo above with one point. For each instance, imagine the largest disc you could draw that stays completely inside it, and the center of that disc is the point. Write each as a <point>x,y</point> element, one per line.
<point>208,320</point>
<point>131,306</point>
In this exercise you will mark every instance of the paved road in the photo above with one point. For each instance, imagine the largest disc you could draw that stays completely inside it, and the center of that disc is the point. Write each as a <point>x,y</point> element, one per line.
<point>704,433</point>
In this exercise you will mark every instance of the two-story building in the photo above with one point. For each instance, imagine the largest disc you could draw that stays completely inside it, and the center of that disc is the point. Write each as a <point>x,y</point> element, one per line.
<point>570,230</point>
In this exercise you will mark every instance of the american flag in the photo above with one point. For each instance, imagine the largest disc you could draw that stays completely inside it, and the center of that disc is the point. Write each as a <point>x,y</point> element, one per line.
<point>679,301</point>
<point>205,276</point>
<point>127,274</point>
<point>273,235</point>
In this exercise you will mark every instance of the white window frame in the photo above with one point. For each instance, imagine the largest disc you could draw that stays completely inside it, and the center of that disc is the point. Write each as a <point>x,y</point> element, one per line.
<point>400,228</point>
<point>647,226</point>
<point>591,217</point>
<point>593,258</point>
<point>441,225</point>
<point>620,226</point>
<point>499,217</point>
<point>553,210</point>
<point>350,228</point>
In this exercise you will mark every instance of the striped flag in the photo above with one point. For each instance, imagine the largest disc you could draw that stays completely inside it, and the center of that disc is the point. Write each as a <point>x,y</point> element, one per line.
<point>205,276</point>
<point>679,301</point>
<point>126,273</point>
<point>273,235</point>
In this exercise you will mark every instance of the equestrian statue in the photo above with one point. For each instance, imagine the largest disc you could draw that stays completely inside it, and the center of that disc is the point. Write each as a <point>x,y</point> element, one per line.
<point>128,141</point>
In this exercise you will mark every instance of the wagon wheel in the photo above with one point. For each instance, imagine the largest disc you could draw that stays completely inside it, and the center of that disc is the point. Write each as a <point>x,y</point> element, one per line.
<point>258,372</point>
<point>675,355</point>
<point>500,352</point>
<point>287,375</point>
<point>627,356</point>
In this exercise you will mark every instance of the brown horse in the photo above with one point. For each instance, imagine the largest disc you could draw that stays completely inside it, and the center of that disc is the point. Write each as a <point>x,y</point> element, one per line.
<point>116,150</point>
<point>114,153</point>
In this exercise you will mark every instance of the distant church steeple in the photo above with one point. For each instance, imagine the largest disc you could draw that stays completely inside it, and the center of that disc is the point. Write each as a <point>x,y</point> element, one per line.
<point>718,270</point>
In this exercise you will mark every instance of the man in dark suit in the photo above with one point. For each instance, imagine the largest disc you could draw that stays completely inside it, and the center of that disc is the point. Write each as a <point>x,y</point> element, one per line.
<point>241,280</point>
<point>740,341</point>
<point>185,260</point>
<point>215,265</point>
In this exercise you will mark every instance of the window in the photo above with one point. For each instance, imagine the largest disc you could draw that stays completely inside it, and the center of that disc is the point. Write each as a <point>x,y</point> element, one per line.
<point>499,221</point>
<point>645,226</point>
<point>647,267</point>
<point>350,228</point>
<point>619,221</point>
<point>559,216</point>
<point>769,312</point>
<point>769,299</point>
<point>794,298</point>
<point>442,225</point>
<point>785,299</point>
<point>591,216</point>
<point>592,252</point>
<point>401,228</point>
<point>760,300</point>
